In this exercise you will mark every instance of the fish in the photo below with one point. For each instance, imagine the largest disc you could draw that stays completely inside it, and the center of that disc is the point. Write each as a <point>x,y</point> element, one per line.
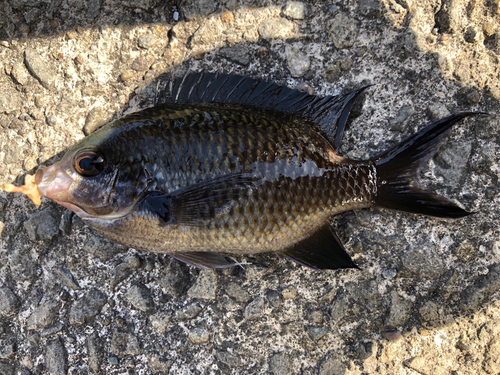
<point>224,165</point>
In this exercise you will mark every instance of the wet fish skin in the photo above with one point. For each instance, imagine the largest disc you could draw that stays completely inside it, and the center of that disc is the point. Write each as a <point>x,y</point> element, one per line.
<point>227,164</point>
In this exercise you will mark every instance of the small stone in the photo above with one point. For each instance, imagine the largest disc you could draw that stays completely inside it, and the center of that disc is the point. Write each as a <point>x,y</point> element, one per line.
<point>343,31</point>
<point>42,225</point>
<point>228,359</point>
<point>262,52</point>
<point>87,308</point>
<point>477,294</point>
<point>56,358</point>
<point>188,312</point>
<point>289,292</point>
<point>102,248</point>
<point>126,75</point>
<point>198,336</point>
<point>451,161</point>
<point>198,55</point>
<point>67,278</point>
<point>369,8</point>
<point>39,69</point>
<point>7,349</point>
<point>174,278</point>
<point>430,312</point>
<point>227,17</point>
<point>56,328</point>
<point>205,286</point>
<point>120,273</point>
<point>295,10</point>
<point>95,119</point>
<point>400,311</point>
<point>20,74</point>
<point>160,322</point>
<point>423,261</point>
<point>146,41</point>
<point>140,297</point>
<point>274,297</point>
<point>400,122</point>
<point>124,344</point>
<point>140,64</point>
<point>332,366</point>
<point>9,303</point>
<point>255,309</point>
<point>94,352</point>
<point>493,91</point>
<point>134,261</point>
<point>52,120</point>
<point>333,73</point>
<point>280,364</point>
<point>235,291</point>
<point>112,360</point>
<point>392,335</point>
<point>437,111</point>
<point>238,53</point>
<point>298,62</point>
<point>317,332</point>
<point>43,316</point>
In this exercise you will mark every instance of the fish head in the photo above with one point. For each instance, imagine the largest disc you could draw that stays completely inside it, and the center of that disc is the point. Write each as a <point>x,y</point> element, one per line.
<point>95,178</point>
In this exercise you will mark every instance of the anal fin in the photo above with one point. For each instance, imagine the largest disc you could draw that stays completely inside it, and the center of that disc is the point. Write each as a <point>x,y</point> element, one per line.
<point>205,260</point>
<point>321,250</point>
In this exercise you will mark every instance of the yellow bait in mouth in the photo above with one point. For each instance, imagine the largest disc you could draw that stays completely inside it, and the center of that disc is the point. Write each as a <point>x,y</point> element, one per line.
<point>29,188</point>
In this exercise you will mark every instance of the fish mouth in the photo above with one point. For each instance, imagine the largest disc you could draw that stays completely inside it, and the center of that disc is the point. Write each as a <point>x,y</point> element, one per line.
<point>55,184</point>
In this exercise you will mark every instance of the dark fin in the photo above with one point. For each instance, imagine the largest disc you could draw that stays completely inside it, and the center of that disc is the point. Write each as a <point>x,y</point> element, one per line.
<point>205,260</point>
<point>322,250</point>
<point>198,202</point>
<point>329,114</point>
<point>398,172</point>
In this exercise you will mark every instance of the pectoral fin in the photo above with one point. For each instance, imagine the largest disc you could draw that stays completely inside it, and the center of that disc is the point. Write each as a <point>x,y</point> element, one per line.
<point>199,202</point>
<point>321,250</point>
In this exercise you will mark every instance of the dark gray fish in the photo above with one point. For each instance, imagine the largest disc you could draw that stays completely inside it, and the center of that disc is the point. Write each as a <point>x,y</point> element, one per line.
<point>224,164</point>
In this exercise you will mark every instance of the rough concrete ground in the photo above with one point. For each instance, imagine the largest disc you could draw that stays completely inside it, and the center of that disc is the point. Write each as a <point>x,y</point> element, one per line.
<point>426,300</point>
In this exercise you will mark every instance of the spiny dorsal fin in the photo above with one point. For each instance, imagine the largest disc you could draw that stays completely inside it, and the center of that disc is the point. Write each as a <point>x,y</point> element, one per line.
<point>329,114</point>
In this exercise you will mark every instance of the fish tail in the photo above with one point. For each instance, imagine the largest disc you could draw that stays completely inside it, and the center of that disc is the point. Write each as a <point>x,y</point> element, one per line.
<point>398,172</point>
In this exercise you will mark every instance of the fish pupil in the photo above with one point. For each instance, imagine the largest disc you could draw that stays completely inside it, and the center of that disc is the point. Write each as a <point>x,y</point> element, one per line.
<point>89,163</point>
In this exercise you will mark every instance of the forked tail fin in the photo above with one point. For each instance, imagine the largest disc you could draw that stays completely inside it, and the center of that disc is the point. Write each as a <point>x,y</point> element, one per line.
<point>398,172</point>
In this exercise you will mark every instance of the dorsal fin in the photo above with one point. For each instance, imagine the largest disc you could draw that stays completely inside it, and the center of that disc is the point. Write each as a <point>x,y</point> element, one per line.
<point>329,114</point>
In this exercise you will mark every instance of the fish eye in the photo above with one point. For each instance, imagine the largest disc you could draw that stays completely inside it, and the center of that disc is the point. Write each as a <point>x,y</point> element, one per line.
<point>89,163</point>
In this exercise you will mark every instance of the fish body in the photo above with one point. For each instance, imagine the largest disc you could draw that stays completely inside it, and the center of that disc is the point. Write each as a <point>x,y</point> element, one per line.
<point>229,165</point>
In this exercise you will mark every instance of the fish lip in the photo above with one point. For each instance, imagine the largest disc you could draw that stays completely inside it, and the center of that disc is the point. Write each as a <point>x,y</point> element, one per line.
<point>53,183</point>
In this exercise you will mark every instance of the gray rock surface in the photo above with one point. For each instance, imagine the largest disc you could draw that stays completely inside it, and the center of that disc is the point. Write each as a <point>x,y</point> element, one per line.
<point>426,298</point>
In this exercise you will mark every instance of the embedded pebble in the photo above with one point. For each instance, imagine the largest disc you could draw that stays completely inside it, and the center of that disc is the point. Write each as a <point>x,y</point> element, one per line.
<point>94,352</point>
<point>20,74</point>
<point>42,225</point>
<point>126,75</point>
<point>238,53</point>
<point>228,359</point>
<point>289,292</point>
<point>280,364</point>
<point>332,365</point>
<point>120,273</point>
<point>343,31</point>
<point>101,247</point>
<point>235,291</point>
<point>438,111</point>
<point>139,297</point>
<point>298,62</point>
<point>41,70</point>
<point>274,297</point>
<point>198,335</point>
<point>255,309</point>
<point>160,322</point>
<point>87,308</point>
<point>10,100</point>
<point>189,312</point>
<point>56,358</point>
<point>67,278</point>
<point>296,10</point>
<point>95,119</point>
<point>174,278</point>
<point>124,344</point>
<point>140,64</point>
<point>9,303</point>
<point>205,286</point>
<point>7,349</point>
<point>43,316</point>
